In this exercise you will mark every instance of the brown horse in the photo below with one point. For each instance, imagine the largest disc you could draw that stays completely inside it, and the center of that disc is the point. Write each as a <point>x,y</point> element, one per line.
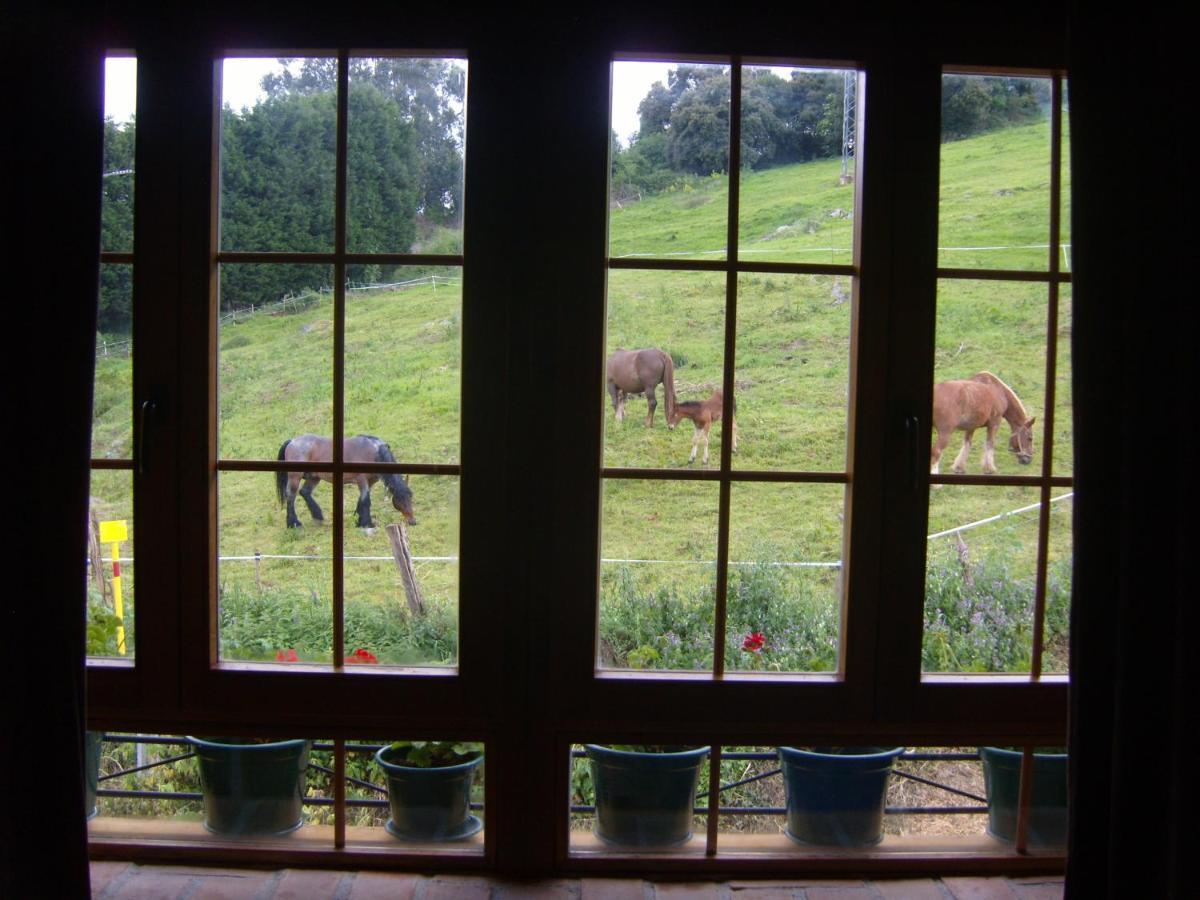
<point>639,372</point>
<point>702,413</point>
<point>358,449</point>
<point>980,401</point>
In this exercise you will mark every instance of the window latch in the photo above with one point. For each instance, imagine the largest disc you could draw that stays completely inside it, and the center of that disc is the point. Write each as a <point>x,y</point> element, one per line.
<point>147,411</point>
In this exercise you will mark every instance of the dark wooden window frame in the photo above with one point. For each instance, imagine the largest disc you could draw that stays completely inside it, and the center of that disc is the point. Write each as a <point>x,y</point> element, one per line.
<point>526,682</point>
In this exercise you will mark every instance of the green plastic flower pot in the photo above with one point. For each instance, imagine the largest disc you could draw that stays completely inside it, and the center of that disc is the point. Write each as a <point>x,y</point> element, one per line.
<point>1048,798</point>
<point>645,799</point>
<point>91,768</point>
<point>431,803</point>
<point>836,798</point>
<point>252,788</point>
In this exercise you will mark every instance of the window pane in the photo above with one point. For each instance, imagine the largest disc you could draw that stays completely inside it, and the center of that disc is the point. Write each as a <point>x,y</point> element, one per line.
<point>278,155</point>
<point>657,574</point>
<point>793,371</point>
<point>995,173</point>
<point>1065,196</point>
<point>638,798</point>
<point>681,314</point>
<point>110,584</point>
<point>403,360</point>
<point>423,796</point>
<point>275,340</point>
<point>189,788</point>
<point>979,584</point>
<point>1064,419</point>
<point>405,158</point>
<point>796,202</point>
<point>112,399</point>
<point>785,577</point>
<point>669,194</point>
<point>116,208</point>
<point>1056,657</point>
<point>401,583</point>
<point>275,584</point>
<point>998,328</point>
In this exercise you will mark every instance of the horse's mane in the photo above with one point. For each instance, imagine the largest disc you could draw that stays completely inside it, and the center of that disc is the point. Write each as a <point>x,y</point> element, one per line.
<point>1013,399</point>
<point>394,484</point>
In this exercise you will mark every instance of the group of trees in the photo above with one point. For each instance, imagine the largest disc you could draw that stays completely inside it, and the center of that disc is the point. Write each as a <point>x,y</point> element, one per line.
<point>404,174</point>
<point>684,124</point>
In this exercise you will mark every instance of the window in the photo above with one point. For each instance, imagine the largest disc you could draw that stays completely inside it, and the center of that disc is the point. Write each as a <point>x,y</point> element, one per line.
<point>829,334</point>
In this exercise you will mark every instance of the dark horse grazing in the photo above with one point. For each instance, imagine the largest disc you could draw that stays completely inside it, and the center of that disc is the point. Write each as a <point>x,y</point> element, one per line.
<point>358,449</point>
<point>640,372</point>
<point>980,401</point>
<point>702,413</point>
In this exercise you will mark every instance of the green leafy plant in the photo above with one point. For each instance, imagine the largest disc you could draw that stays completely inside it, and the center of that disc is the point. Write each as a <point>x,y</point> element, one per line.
<point>430,754</point>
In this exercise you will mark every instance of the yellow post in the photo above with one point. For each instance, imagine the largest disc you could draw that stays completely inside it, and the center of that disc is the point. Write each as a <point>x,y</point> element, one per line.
<point>114,532</point>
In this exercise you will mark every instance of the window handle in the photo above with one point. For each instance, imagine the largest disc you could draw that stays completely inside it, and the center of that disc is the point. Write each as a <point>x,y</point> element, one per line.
<point>912,432</point>
<point>147,412</point>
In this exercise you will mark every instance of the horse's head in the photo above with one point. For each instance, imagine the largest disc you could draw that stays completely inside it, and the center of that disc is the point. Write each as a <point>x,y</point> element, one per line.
<point>1021,443</point>
<point>674,416</point>
<point>402,497</point>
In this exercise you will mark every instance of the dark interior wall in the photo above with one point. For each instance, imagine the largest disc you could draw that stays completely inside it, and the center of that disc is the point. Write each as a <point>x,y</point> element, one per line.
<point>1133,472</point>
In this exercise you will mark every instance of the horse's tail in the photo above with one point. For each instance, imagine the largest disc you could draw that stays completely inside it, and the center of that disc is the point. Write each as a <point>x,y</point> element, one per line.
<point>281,476</point>
<point>669,382</point>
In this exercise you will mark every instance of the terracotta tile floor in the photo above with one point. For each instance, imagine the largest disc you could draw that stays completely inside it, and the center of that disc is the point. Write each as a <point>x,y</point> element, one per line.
<point>127,881</point>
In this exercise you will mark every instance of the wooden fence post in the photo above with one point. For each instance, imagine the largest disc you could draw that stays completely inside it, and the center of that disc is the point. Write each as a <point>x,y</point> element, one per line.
<point>398,536</point>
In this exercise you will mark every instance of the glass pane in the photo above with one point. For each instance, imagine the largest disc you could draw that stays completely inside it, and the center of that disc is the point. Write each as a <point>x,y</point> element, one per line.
<point>1064,417</point>
<point>404,360</point>
<point>188,788</point>
<point>112,399</point>
<point>979,583</point>
<point>658,547</point>
<point>796,201</point>
<point>116,208</point>
<point>1056,644</point>
<point>405,159</point>
<point>111,624</point>
<point>278,156</point>
<point>785,577</point>
<point>1065,215</point>
<point>275,340</point>
<point>669,193</point>
<point>678,319</point>
<point>995,173</point>
<point>401,583</point>
<point>275,584</point>
<point>415,796</point>
<point>989,364</point>
<point>638,798</point>
<point>793,372</point>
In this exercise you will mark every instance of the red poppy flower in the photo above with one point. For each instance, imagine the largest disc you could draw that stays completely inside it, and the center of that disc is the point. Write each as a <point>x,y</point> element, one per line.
<point>286,656</point>
<point>362,656</point>
<point>754,642</point>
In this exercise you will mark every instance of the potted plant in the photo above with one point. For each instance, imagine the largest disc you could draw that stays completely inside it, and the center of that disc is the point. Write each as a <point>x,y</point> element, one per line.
<point>429,788</point>
<point>252,786</point>
<point>836,795</point>
<point>1047,799</point>
<point>645,794</point>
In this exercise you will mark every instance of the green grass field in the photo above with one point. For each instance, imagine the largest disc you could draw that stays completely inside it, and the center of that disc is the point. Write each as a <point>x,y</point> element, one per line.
<point>403,365</point>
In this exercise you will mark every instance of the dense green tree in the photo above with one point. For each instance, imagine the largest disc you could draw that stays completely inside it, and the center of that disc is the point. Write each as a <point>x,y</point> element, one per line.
<point>971,104</point>
<point>430,95</point>
<point>278,174</point>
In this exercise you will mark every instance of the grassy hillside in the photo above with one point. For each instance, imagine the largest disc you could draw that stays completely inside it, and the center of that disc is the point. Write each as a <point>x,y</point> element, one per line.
<point>792,375</point>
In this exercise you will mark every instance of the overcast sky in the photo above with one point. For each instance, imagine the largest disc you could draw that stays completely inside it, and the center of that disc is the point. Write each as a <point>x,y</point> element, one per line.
<point>631,81</point>
<point>242,77</point>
